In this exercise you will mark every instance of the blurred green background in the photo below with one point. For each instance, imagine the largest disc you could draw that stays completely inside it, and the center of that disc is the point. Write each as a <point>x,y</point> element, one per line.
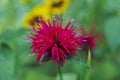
<point>16,64</point>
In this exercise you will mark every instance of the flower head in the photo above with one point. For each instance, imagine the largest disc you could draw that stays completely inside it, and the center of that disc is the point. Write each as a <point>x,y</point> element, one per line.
<point>53,42</point>
<point>88,39</point>
<point>57,6</point>
<point>32,18</point>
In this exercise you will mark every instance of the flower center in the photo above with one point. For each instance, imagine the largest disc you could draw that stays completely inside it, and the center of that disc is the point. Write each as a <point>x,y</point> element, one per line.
<point>57,4</point>
<point>35,20</point>
<point>56,40</point>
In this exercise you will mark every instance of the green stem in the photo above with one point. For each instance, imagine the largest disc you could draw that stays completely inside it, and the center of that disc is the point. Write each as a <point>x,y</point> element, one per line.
<point>87,73</point>
<point>60,73</point>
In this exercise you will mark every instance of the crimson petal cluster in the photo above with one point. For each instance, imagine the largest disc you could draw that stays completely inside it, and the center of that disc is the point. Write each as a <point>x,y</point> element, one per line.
<point>88,38</point>
<point>53,42</point>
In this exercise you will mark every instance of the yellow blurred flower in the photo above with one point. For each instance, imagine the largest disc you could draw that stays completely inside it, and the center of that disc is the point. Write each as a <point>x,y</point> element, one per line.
<point>57,6</point>
<point>32,18</point>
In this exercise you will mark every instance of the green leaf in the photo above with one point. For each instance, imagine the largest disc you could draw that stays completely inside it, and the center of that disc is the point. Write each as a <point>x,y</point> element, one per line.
<point>112,30</point>
<point>67,76</point>
<point>104,70</point>
<point>36,75</point>
<point>7,60</point>
<point>6,68</point>
<point>111,4</point>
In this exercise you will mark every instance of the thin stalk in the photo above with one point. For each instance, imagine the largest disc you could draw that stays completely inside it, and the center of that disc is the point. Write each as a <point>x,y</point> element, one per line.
<point>87,73</point>
<point>60,73</point>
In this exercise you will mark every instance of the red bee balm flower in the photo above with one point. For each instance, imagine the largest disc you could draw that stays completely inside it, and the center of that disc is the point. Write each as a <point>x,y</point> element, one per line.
<point>54,42</point>
<point>88,39</point>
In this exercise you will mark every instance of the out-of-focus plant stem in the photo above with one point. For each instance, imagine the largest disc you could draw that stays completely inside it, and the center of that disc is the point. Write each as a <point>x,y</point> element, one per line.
<point>87,72</point>
<point>60,73</point>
